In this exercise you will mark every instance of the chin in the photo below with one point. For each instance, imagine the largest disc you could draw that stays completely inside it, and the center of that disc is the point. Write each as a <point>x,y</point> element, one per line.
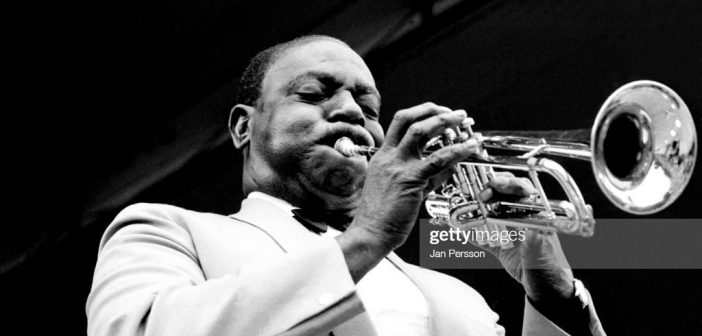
<point>331,180</point>
<point>340,189</point>
<point>337,188</point>
<point>340,204</point>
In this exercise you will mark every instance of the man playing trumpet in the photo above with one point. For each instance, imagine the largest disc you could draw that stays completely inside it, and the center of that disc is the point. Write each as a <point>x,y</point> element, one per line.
<point>268,270</point>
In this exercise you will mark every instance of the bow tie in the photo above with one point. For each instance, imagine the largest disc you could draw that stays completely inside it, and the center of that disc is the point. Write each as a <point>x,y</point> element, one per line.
<point>314,222</point>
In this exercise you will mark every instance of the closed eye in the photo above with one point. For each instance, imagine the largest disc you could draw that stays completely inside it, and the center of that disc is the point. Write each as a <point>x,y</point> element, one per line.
<point>312,97</point>
<point>369,105</point>
<point>371,113</point>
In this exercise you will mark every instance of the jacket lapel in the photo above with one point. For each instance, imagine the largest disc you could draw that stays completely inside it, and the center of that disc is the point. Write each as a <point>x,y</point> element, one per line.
<point>290,235</point>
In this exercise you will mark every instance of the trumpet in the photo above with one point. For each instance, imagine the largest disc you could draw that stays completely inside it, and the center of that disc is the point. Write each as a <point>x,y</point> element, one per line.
<point>642,149</point>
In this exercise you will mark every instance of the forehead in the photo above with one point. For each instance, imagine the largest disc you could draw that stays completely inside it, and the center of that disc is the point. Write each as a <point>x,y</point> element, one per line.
<point>319,57</point>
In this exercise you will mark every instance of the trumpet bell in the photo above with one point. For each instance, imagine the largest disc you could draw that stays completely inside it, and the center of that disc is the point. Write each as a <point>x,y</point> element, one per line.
<point>643,146</point>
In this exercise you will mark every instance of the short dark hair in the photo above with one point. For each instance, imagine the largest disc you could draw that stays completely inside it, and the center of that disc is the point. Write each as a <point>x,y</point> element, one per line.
<point>248,91</point>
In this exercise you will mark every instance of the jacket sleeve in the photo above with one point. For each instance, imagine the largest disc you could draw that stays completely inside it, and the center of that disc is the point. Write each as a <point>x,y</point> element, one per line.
<point>536,324</point>
<point>148,281</point>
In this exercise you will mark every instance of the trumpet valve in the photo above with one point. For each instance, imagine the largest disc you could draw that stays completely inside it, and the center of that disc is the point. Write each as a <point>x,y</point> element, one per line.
<point>450,135</point>
<point>467,125</point>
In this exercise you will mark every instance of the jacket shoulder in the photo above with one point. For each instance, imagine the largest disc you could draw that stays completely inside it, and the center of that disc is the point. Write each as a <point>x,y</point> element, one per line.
<point>163,218</point>
<point>160,210</point>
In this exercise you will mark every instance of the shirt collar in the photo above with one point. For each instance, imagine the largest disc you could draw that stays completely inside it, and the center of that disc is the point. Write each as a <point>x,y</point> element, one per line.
<point>285,206</point>
<point>281,204</point>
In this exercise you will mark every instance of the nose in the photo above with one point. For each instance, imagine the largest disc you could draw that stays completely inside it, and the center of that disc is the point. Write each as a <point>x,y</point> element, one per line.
<point>346,109</point>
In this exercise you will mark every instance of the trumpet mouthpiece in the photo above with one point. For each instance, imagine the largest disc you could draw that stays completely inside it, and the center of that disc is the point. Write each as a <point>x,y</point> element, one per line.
<point>346,147</point>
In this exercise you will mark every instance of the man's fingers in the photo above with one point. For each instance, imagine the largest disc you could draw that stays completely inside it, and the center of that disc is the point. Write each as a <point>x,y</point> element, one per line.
<point>436,180</point>
<point>504,174</point>
<point>517,186</point>
<point>542,250</point>
<point>486,194</point>
<point>420,132</point>
<point>446,157</point>
<point>404,118</point>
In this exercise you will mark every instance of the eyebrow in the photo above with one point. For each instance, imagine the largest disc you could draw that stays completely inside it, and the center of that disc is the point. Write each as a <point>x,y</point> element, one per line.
<point>324,77</point>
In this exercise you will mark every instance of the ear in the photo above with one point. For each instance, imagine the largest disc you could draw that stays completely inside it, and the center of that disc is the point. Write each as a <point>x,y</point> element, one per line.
<point>239,124</point>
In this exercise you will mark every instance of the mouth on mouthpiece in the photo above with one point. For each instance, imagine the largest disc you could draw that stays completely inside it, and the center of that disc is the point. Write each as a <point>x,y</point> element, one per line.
<point>346,147</point>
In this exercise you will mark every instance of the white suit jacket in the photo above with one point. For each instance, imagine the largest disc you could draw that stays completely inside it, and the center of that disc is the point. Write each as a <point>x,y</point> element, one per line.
<point>164,270</point>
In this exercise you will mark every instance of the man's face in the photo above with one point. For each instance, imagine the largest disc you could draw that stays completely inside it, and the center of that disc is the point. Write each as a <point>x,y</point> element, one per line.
<point>313,95</point>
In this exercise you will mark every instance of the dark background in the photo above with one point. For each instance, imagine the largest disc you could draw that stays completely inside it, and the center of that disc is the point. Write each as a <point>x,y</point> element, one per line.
<point>110,103</point>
